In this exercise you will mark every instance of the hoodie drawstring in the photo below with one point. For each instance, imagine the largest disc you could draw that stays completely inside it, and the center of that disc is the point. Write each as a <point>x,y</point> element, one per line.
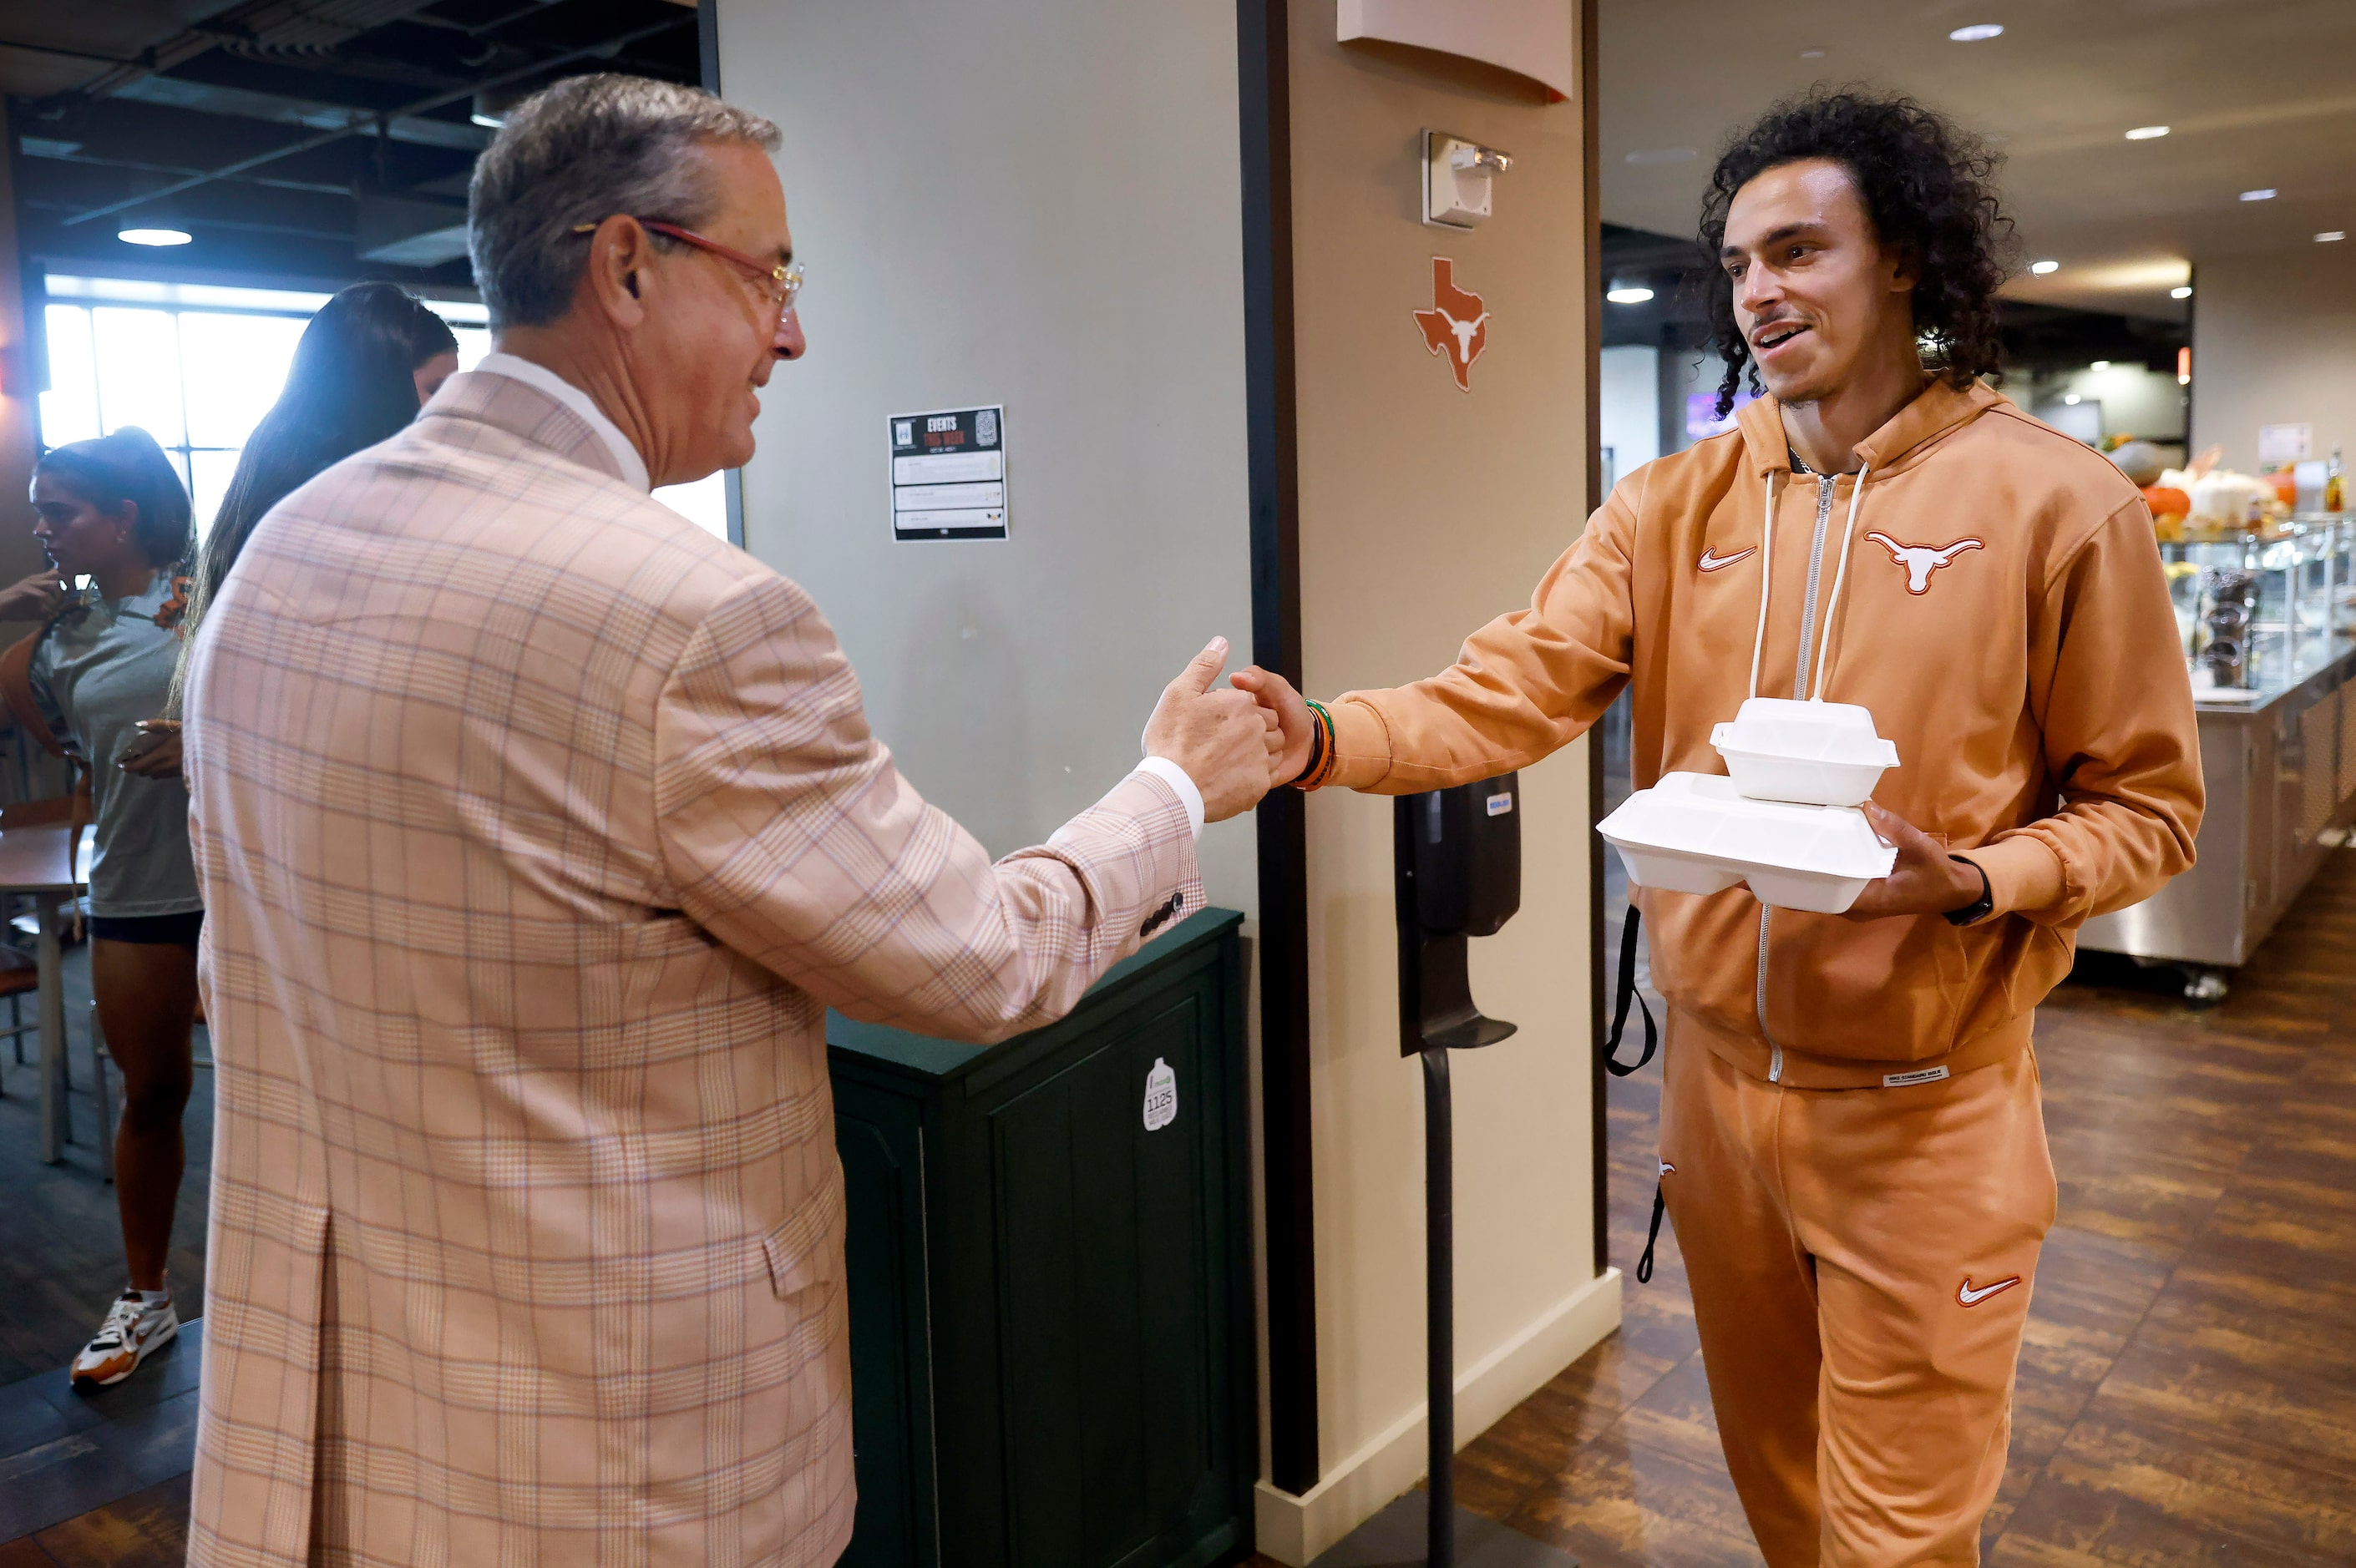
<point>1766,573</point>
<point>1815,692</point>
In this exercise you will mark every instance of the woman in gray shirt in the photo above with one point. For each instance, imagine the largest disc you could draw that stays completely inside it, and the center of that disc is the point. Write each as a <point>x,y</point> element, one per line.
<point>113,510</point>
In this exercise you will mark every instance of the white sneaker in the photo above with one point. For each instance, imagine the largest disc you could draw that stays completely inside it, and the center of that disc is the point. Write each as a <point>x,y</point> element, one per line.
<point>132,1332</point>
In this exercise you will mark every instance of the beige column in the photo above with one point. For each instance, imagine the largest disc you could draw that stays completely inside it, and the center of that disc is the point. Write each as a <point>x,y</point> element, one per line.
<point>1426,509</point>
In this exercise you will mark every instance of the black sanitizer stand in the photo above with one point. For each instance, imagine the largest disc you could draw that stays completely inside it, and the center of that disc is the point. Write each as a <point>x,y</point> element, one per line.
<point>1458,874</point>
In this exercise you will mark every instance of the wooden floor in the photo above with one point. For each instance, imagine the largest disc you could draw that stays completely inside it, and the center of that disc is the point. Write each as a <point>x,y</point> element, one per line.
<point>2188,1387</point>
<point>2188,1390</point>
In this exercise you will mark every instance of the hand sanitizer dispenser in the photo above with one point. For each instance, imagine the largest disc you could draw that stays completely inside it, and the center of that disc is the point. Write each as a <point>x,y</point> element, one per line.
<point>1458,872</point>
<point>1458,875</point>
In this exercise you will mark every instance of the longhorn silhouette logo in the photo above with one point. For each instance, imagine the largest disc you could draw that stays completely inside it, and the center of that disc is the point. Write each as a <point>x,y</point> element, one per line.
<point>1457,325</point>
<point>1920,560</point>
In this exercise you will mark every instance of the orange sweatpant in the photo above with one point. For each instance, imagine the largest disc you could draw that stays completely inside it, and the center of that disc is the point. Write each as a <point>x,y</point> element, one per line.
<point>1861,1261</point>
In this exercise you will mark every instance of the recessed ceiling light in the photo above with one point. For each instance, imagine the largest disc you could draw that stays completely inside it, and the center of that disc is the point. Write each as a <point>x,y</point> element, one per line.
<point>2180,292</point>
<point>2100,365</point>
<point>1811,54</point>
<point>2073,399</point>
<point>153,236</point>
<point>2146,133</point>
<point>2042,268</point>
<point>2331,236</point>
<point>1977,32</point>
<point>1628,293</point>
<point>1664,156</point>
<point>2263,193</point>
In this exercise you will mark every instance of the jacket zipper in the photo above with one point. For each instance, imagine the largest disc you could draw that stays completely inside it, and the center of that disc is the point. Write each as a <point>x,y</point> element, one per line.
<point>1815,579</point>
<point>1799,689</point>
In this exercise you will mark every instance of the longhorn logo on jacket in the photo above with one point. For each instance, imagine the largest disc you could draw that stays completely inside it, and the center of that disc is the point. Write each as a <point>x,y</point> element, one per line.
<point>1920,559</point>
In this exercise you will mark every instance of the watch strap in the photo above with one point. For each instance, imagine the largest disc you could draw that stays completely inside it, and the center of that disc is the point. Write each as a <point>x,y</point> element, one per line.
<point>1979,908</point>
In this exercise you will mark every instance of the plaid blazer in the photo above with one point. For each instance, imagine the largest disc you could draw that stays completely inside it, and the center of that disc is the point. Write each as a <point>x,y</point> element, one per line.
<point>538,829</point>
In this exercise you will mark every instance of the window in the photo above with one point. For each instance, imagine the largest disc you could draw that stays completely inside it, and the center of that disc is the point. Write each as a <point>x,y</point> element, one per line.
<point>196,365</point>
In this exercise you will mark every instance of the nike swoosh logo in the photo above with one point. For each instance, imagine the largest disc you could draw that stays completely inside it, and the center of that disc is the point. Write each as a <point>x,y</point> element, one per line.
<point>1720,563</point>
<point>1971,1297</point>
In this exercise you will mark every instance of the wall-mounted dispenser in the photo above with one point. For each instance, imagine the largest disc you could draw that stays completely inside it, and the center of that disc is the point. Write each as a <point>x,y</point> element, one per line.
<point>1456,177</point>
<point>1458,864</point>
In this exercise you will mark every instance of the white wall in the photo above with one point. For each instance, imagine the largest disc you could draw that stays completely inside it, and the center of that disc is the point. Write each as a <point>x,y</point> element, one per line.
<point>1631,409</point>
<point>2274,342</point>
<point>2134,400</point>
<point>1036,203</point>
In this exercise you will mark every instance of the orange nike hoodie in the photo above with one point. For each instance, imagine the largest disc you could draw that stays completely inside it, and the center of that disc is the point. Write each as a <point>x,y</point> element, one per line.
<point>1987,587</point>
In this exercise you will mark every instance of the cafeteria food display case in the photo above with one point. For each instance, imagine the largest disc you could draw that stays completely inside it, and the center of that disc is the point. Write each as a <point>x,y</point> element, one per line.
<point>2269,623</point>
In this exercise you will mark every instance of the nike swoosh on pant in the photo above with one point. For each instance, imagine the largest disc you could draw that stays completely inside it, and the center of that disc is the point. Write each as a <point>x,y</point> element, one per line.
<point>1970,1297</point>
<point>1718,563</point>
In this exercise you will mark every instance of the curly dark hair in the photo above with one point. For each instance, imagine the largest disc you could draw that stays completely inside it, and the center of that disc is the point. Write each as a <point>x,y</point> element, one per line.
<point>1927,187</point>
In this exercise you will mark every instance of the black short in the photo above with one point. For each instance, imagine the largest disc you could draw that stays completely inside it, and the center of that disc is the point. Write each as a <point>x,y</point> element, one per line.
<point>150,929</point>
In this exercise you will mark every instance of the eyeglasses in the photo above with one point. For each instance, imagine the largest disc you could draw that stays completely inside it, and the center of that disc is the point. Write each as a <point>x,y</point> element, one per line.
<point>781,284</point>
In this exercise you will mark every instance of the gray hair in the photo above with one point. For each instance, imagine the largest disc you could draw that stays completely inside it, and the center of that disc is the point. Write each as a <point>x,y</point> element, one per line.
<point>579,152</point>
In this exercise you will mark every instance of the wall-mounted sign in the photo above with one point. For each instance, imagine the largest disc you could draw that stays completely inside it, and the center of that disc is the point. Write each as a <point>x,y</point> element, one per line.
<point>2285,443</point>
<point>1457,325</point>
<point>948,475</point>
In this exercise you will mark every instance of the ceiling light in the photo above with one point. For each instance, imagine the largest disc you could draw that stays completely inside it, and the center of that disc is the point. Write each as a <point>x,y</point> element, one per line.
<point>2266,192</point>
<point>2331,236</point>
<point>2146,133</point>
<point>2073,399</point>
<point>1628,293</point>
<point>1977,32</point>
<point>2042,268</point>
<point>2180,292</point>
<point>2100,365</point>
<point>489,109</point>
<point>1811,54</point>
<point>153,236</point>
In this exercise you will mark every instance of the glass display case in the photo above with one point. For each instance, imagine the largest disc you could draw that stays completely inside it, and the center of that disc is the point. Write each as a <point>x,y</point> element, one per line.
<point>2269,627</point>
<point>2258,610</point>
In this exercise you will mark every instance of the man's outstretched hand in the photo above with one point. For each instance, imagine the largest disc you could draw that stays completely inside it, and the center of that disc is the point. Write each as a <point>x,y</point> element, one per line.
<point>1925,880</point>
<point>1289,712</point>
<point>1224,739</point>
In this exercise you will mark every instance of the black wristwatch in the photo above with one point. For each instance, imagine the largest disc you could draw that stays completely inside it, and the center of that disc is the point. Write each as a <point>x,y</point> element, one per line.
<point>1980,907</point>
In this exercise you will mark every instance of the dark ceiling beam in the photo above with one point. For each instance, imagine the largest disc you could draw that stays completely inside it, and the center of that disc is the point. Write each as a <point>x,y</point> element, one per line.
<point>84,160</point>
<point>340,232</point>
<point>604,48</point>
<point>242,103</point>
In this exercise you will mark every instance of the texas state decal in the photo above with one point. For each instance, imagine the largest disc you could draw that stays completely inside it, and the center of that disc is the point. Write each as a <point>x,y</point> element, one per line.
<point>1456,325</point>
<point>1920,559</point>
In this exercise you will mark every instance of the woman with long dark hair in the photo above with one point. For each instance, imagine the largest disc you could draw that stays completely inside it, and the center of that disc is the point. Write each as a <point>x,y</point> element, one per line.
<point>365,365</point>
<point>112,510</point>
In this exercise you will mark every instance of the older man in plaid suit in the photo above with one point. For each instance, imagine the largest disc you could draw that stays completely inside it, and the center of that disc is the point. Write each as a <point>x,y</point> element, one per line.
<point>537,830</point>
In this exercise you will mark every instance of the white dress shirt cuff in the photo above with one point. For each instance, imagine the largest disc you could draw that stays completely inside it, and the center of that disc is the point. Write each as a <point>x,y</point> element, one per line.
<point>1173,776</point>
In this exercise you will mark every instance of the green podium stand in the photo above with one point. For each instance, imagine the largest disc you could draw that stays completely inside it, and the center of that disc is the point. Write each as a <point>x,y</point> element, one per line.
<point>1050,1276</point>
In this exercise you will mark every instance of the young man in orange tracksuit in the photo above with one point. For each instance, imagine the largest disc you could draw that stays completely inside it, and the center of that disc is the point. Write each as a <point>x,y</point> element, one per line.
<point>1852,1146</point>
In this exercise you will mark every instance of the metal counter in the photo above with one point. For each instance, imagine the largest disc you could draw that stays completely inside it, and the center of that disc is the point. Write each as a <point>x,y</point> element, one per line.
<point>2281,772</point>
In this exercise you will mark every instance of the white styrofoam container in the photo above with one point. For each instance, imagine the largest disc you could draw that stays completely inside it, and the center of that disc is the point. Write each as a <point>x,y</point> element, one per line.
<point>1696,833</point>
<point>1816,754</point>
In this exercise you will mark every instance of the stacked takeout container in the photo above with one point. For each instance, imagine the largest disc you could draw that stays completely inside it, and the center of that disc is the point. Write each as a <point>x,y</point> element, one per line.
<point>1784,820</point>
